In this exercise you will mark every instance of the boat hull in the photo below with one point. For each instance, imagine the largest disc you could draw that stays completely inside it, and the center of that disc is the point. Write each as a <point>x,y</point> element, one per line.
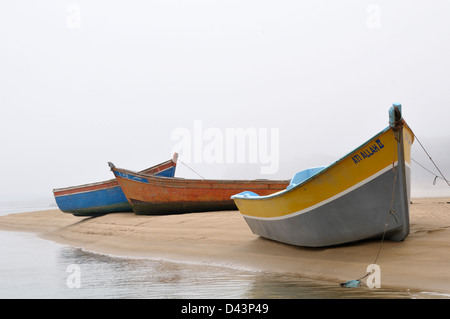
<point>102,197</point>
<point>363,195</point>
<point>180,207</point>
<point>108,198</point>
<point>152,195</point>
<point>355,216</point>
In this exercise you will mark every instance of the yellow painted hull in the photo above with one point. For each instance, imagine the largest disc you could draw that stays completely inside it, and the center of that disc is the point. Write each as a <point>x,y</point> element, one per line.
<point>349,200</point>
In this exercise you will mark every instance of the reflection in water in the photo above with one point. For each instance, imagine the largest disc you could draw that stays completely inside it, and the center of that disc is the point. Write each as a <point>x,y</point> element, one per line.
<point>34,268</point>
<point>111,277</point>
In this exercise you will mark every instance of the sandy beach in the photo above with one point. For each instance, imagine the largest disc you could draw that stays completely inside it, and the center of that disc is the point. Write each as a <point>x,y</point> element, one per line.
<point>421,262</point>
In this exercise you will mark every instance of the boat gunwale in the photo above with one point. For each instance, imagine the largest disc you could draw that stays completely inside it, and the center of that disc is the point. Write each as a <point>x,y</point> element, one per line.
<point>177,182</point>
<point>112,181</point>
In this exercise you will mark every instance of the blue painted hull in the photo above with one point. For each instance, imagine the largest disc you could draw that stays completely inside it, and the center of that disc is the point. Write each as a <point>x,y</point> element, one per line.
<point>99,198</point>
<point>100,201</point>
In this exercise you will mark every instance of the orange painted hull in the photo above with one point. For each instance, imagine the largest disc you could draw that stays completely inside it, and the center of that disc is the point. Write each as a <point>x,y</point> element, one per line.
<point>159,195</point>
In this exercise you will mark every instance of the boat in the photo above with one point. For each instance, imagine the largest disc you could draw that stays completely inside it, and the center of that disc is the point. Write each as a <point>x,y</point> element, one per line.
<point>156,195</point>
<point>363,195</point>
<point>106,196</point>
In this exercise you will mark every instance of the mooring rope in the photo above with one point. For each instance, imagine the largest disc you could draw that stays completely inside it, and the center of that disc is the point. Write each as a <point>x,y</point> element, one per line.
<point>356,282</point>
<point>432,161</point>
<point>391,212</point>
<point>191,169</point>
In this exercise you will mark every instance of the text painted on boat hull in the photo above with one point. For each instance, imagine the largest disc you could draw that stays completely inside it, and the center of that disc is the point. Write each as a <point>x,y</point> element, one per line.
<point>368,152</point>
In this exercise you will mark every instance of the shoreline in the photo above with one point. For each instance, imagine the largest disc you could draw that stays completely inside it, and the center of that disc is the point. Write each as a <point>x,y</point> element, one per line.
<point>420,263</point>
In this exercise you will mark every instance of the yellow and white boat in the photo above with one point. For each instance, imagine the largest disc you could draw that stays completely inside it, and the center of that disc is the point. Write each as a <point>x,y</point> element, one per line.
<point>365,194</point>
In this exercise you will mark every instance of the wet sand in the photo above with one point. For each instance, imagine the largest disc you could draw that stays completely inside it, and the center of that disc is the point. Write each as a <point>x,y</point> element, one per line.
<point>421,262</point>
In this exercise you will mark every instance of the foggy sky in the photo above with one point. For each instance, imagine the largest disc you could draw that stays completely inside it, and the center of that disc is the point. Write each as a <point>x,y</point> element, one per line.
<point>87,82</point>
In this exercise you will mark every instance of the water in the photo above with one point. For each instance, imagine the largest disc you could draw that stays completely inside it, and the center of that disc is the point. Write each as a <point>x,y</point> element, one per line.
<point>29,206</point>
<point>31,267</point>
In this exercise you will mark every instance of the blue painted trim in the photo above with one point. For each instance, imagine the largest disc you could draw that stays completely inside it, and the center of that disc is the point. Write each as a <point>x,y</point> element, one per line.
<point>245,194</point>
<point>302,176</point>
<point>170,172</point>
<point>392,114</point>
<point>132,177</point>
